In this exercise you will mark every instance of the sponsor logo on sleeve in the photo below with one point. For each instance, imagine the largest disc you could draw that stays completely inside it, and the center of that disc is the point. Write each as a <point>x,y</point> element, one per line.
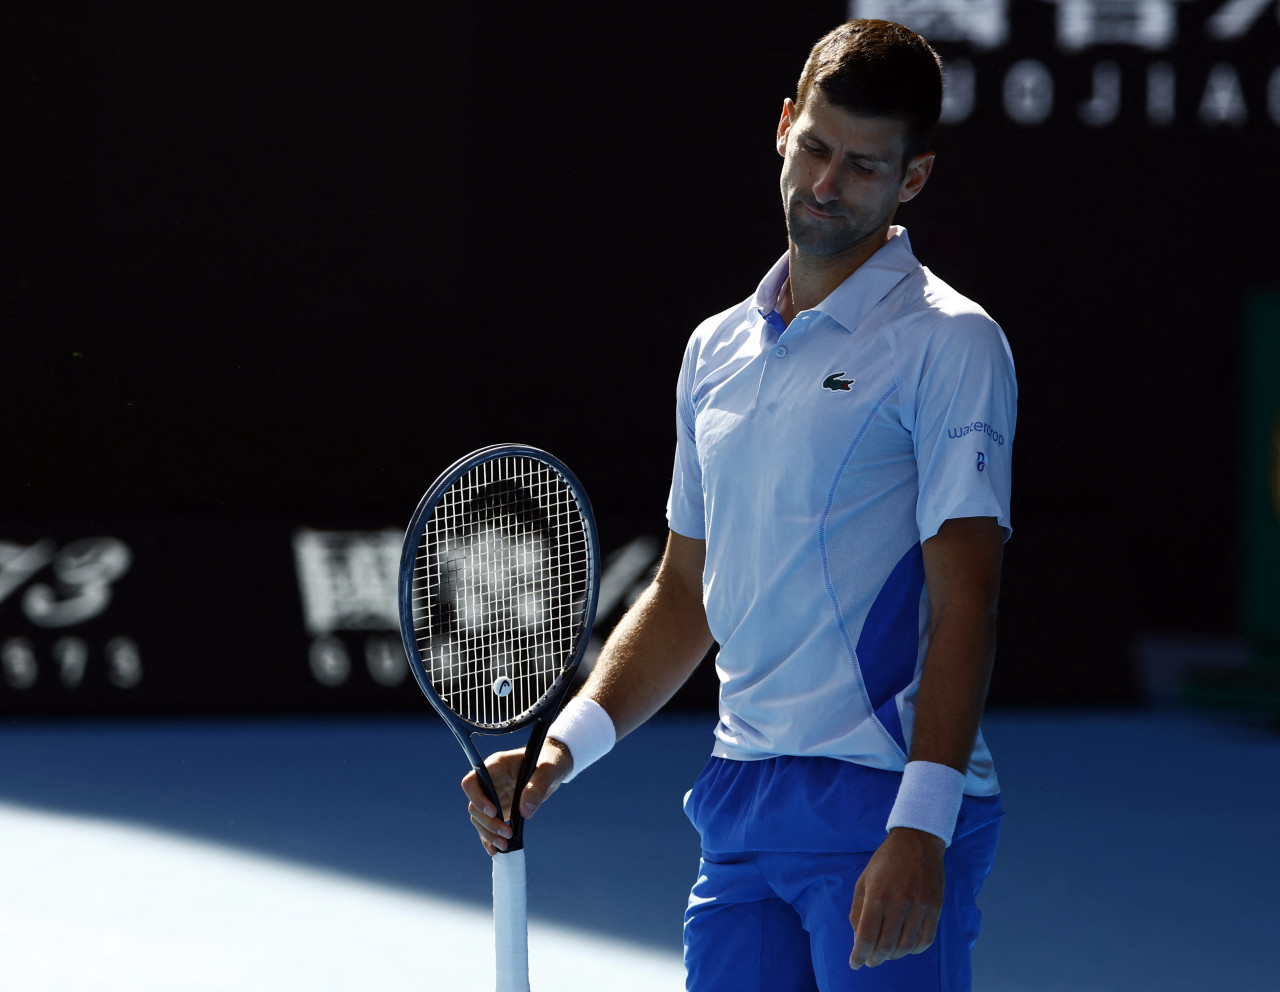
<point>977,427</point>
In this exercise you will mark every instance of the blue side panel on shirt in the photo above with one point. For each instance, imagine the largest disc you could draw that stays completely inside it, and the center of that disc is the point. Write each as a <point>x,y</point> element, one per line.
<point>890,641</point>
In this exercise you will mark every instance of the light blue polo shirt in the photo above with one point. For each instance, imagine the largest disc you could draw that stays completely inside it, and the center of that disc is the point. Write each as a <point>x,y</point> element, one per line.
<point>815,460</point>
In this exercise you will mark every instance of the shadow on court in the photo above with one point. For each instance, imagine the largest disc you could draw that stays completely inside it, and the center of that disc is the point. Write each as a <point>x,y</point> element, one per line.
<point>379,798</point>
<point>1138,850</point>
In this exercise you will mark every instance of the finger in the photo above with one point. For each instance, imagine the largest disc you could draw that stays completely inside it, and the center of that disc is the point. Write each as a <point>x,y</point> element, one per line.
<point>490,824</point>
<point>910,935</point>
<point>531,799</point>
<point>928,930</point>
<point>486,819</point>
<point>887,943</point>
<point>878,931</point>
<point>866,936</point>
<point>861,946</point>
<point>493,833</point>
<point>859,897</point>
<point>475,793</point>
<point>502,768</point>
<point>542,783</point>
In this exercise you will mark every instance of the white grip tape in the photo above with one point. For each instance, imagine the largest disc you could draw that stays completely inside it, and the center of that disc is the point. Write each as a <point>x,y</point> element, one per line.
<point>511,922</point>
<point>928,799</point>
<point>585,728</point>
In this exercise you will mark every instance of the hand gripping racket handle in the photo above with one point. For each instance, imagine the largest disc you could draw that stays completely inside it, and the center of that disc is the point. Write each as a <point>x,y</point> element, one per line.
<point>511,922</point>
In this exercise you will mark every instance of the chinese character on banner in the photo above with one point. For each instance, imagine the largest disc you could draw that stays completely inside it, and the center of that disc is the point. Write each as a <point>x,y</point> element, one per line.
<point>347,579</point>
<point>1149,24</point>
<point>1235,18</point>
<point>348,583</point>
<point>982,23</point>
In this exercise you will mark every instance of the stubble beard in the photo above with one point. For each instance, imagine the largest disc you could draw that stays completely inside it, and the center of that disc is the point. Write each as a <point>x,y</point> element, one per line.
<point>824,238</point>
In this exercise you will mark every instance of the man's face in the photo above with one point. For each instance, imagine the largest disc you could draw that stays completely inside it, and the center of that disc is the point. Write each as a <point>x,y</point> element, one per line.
<point>842,176</point>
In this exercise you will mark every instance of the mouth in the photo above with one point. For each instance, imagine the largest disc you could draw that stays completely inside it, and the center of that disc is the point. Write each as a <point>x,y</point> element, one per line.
<point>816,213</point>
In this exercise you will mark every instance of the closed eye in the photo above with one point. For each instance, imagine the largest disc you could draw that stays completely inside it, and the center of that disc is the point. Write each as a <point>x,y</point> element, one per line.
<point>819,150</point>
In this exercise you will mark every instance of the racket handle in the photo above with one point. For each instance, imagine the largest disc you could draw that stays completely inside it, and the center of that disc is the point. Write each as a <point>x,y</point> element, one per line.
<point>511,921</point>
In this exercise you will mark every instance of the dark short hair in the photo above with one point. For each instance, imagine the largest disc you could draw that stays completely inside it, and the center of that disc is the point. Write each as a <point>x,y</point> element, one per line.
<point>878,69</point>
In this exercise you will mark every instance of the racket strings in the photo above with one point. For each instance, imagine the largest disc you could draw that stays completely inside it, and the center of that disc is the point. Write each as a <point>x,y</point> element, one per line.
<point>500,588</point>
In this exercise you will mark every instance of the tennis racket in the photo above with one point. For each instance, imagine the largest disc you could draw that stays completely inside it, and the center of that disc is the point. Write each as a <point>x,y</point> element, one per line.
<point>497,594</point>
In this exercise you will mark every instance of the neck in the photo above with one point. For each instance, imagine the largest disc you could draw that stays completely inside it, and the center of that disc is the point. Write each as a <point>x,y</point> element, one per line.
<point>812,278</point>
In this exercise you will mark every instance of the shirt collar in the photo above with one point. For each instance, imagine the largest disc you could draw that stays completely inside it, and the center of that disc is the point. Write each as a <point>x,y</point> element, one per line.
<point>854,298</point>
<point>766,298</point>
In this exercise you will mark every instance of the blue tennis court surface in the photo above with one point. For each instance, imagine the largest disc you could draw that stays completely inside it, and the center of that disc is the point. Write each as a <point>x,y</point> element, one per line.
<point>1139,852</point>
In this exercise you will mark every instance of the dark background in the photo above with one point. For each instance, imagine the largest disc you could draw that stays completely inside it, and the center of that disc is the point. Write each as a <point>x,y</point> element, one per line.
<point>273,271</point>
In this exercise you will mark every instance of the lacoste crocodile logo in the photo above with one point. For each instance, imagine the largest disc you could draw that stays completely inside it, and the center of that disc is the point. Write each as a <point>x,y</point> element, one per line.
<point>837,382</point>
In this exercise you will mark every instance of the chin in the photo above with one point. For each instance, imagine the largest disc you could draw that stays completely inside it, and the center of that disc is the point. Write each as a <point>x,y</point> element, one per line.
<point>823,247</point>
<point>811,236</point>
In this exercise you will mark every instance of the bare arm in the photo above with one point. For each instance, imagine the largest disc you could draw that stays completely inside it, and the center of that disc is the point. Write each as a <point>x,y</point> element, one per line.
<point>962,574</point>
<point>649,655</point>
<point>898,899</point>
<point>658,644</point>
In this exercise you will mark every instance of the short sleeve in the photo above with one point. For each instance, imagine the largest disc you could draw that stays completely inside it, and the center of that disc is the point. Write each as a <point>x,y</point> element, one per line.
<point>685,509</point>
<point>965,412</point>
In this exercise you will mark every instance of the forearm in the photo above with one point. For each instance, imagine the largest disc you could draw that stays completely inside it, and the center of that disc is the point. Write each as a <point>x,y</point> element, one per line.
<point>953,685</point>
<point>657,645</point>
<point>953,688</point>
<point>962,572</point>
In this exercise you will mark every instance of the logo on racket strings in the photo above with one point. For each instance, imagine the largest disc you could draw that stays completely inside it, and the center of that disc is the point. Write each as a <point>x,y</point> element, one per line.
<point>502,686</point>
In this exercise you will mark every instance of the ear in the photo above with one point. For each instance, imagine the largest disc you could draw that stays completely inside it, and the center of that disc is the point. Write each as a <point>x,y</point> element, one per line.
<point>789,116</point>
<point>917,174</point>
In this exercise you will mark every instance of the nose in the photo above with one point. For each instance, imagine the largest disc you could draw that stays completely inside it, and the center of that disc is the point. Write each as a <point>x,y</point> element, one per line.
<point>826,185</point>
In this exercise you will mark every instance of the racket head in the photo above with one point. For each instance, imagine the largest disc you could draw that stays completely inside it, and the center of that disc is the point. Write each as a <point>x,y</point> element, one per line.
<point>499,575</point>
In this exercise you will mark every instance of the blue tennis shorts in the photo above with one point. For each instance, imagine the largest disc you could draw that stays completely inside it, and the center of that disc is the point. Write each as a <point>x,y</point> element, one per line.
<point>783,843</point>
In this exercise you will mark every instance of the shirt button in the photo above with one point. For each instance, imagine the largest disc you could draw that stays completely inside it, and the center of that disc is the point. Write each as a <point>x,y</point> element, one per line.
<point>780,351</point>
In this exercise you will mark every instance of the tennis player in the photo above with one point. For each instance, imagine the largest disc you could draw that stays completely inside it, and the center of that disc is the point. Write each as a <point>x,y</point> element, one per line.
<point>838,510</point>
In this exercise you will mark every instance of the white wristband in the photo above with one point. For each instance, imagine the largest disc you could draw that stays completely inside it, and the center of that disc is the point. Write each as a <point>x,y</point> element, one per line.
<point>585,729</point>
<point>928,799</point>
